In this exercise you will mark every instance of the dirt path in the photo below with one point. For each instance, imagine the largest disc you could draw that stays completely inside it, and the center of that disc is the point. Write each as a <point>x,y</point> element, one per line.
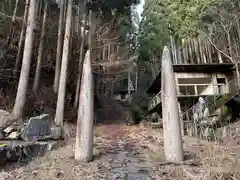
<point>121,152</point>
<point>117,155</point>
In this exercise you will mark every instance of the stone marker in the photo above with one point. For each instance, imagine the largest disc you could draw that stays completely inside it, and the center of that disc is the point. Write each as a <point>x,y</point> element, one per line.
<point>37,128</point>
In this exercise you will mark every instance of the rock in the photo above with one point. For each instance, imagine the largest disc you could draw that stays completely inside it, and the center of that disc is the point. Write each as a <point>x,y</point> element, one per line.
<point>14,153</point>
<point>52,145</point>
<point>9,130</point>
<point>35,173</point>
<point>57,173</point>
<point>3,155</point>
<point>37,127</point>
<point>1,135</point>
<point>3,116</point>
<point>14,135</point>
<point>154,117</point>
<point>56,132</point>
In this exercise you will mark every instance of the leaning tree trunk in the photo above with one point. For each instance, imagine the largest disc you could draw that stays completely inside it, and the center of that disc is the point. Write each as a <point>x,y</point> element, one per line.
<point>84,134</point>
<point>21,40</point>
<point>80,67</point>
<point>59,47</point>
<point>27,56</point>
<point>40,50</point>
<point>63,75</point>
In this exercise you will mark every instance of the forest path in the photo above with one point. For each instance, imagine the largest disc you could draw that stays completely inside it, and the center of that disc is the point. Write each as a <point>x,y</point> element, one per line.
<point>120,152</point>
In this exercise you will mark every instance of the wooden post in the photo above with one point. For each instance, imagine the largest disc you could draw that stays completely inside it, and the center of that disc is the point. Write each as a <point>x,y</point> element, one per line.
<point>84,135</point>
<point>171,122</point>
<point>214,82</point>
<point>181,119</point>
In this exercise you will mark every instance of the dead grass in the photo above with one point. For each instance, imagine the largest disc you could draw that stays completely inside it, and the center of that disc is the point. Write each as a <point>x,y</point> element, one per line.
<point>216,162</point>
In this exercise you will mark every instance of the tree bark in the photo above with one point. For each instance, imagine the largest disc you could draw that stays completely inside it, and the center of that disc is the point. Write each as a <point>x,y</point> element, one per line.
<point>84,134</point>
<point>13,23</point>
<point>90,33</point>
<point>59,116</point>
<point>190,51</point>
<point>59,47</point>
<point>104,51</point>
<point>40,50</point>
<point>238,75</point>
<point>202,55</point>
<point>80,66</point>
<point>220,57</point>
<point>184,51</point>
<point>173,50</point>
<point>209,52</point>
<point>27,56</point>
<point>136,81</point>
<point>39,10</point>
<point>206,51</point>
<point>21,39</point>
<point>179,55</point>
<point>229,44</point>
<point>196,50</point>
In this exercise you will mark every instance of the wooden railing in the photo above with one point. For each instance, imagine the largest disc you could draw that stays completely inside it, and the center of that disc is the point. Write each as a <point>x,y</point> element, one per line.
<point>154,101</point>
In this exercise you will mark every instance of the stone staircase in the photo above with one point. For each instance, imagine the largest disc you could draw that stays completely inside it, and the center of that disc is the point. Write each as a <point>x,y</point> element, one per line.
<point>112,111</point>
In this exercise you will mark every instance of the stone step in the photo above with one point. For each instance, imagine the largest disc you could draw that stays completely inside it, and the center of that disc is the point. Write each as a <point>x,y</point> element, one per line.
<point>20,151</point>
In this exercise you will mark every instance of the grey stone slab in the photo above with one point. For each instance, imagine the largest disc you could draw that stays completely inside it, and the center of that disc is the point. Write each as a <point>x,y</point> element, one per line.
<point>37,127</point>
